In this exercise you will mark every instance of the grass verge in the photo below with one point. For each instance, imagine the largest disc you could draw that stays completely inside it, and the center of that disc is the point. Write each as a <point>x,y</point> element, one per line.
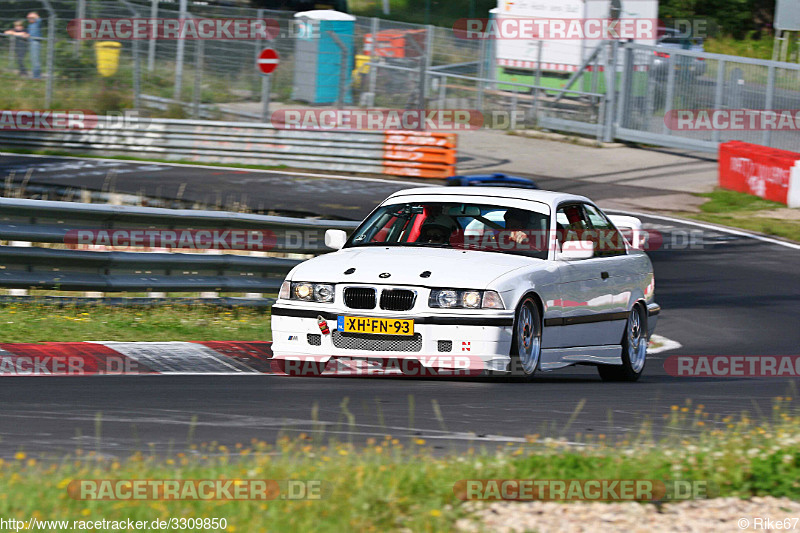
<point>389,485</point>
<point>48,323</point>
<point>745,211</point>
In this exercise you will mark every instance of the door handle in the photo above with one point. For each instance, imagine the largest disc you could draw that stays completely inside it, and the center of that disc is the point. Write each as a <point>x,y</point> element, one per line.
<point>604,275</point>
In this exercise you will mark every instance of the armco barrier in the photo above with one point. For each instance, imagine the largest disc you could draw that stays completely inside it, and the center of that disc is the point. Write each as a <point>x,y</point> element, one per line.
<point>401,153</point>
<point>765,172</point>
<point>60,268</point>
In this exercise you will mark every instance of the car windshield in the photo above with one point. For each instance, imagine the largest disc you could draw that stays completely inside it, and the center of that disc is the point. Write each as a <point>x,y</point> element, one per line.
<point>490,228</point>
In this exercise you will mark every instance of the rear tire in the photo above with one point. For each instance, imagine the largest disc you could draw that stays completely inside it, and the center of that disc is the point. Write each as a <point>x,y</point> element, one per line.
<point>634,350</point>
<point>526,344</point>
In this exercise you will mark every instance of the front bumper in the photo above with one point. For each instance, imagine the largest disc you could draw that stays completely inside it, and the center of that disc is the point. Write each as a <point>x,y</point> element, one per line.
<point>484,339</point>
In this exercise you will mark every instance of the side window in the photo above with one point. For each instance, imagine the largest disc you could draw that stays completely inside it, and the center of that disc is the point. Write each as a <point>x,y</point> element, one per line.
<point>607,240</point>
<point>570,223</point>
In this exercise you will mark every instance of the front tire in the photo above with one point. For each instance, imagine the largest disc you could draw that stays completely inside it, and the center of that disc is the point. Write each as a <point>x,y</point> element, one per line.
<point>634,350</point>
<point>526,345</point>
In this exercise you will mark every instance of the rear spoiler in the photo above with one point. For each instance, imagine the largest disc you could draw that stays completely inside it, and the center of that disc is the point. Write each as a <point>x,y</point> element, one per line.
<point>631,229</point>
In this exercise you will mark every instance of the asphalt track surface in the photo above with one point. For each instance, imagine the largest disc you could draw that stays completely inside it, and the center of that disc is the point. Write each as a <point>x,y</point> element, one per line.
<point>282,191</point>
<point>732,295</point>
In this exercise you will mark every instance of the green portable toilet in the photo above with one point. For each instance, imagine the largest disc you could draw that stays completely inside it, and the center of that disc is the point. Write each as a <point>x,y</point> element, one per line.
<point>318,58</point>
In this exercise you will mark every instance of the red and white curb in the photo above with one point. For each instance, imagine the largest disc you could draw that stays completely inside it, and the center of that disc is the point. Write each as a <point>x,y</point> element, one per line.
<point>108,358</point>
<point>175,358</point>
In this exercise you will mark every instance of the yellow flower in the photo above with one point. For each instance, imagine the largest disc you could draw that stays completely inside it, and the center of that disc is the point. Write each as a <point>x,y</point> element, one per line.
<point>419,442</point>
<point>85,512</point>
<point>20,456</point>
<point>674,408</point>
<point>435,512</point>
<point>342,452</point>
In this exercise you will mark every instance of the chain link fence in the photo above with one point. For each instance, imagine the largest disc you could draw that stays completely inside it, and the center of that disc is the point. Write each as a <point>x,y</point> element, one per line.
<point>623,91</point>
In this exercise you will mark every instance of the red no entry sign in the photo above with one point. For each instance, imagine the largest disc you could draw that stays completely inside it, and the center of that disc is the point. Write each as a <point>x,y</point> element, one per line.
<point>267,60</point>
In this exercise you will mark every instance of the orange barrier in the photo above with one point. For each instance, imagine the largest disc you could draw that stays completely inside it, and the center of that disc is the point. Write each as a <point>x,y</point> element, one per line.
<point>419,154</point>
<point>761,171</point>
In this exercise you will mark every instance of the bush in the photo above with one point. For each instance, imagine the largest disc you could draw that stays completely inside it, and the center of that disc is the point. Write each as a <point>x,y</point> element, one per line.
<point>72,67</point>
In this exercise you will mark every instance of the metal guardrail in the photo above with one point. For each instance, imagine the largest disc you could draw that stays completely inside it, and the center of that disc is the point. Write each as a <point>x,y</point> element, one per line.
<point>131,301</point>
<point>401,153</point>
<point>38,221</point>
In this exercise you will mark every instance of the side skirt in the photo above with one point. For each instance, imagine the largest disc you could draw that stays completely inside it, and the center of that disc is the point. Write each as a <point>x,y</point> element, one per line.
<point>553,358</point>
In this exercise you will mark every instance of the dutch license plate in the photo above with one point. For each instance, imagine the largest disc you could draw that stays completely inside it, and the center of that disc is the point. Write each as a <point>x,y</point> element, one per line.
<point>375,326</point>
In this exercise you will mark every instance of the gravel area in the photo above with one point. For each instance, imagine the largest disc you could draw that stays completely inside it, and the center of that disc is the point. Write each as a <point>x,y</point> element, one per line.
<point>718,515</point>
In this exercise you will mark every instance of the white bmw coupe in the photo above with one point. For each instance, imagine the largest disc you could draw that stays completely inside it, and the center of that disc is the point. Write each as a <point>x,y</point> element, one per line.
<point>519,280</point>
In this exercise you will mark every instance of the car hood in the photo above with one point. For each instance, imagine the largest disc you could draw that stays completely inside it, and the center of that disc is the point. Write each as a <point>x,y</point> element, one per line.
<point>447,267</point>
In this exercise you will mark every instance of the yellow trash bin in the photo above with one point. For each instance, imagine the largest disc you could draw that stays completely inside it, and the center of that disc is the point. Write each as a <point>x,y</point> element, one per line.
<point>362,69</point>
<point>107,53</point>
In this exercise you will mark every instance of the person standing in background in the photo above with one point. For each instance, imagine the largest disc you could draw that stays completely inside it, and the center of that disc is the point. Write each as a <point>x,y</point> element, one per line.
<point>20,45</point>
<point>35,32</point>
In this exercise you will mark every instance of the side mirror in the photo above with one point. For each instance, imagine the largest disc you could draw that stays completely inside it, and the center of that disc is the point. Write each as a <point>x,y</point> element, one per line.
<point>575,250</point>
<point>335,238</point>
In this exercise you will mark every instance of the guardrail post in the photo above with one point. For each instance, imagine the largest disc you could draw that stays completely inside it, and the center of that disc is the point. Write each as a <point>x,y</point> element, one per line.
<point>255,253</point>
<point>211,294</point>
<point>21,244</point>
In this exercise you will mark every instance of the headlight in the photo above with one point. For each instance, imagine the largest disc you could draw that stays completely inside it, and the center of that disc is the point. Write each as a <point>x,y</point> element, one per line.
<point>471,299</point>
<point>444,299</point>
<point>312,292</point>
<point>303,291</point>
<point>323,293</point>
<point>464,299</point>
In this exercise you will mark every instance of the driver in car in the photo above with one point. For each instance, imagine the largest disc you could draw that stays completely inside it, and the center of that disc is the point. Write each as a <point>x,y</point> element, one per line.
<point>434,234</point>
<point>517,223</point>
